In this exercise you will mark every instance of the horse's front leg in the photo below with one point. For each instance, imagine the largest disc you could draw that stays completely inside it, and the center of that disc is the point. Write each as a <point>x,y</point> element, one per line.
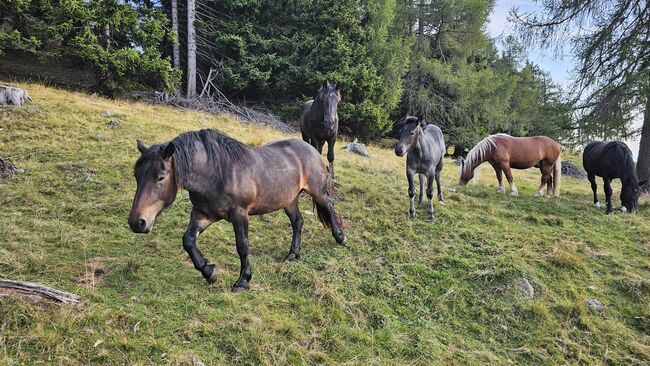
<point>240,224</point>
<point>608,194</point>
<point>430,196</point>
<point>198,223</point>
<point>421,193</point>
<point>594,187</point>
<point>330,155</point>
<point>409,176</point>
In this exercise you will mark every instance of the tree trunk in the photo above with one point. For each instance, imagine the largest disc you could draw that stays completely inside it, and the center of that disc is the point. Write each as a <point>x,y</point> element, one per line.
<point>191,50</point>
<point>643,162</point>
<point>421,24</point>
<point>176,49</point>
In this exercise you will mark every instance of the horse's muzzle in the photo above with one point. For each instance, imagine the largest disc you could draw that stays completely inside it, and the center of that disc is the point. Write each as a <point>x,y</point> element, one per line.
<point>139,225</point>
<point>399,151</point>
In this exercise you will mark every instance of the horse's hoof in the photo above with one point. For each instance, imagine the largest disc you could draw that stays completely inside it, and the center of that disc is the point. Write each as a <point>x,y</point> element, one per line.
<point>412,215</point>
<point>514,193</point>
<point>432,217</point>
<point>340,239</point>
<point>210,273</point>
<point>597,204</point>
<point>292,257</point>
<point>441,202</point>
<point>610,212</point>
<point>238,289</point>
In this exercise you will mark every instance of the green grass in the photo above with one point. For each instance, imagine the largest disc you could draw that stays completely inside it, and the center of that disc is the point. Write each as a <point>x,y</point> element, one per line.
<point>400,292</point>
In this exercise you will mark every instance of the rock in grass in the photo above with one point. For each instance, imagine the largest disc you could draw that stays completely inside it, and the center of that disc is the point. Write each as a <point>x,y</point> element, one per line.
<point>10,95</point>
<point>357,147</point>
<point>527,288</point>
<point>113,122</point>
<point>7,169</point>
<point>571,170</point>
<point>106,114</point>
<point>595,304</point>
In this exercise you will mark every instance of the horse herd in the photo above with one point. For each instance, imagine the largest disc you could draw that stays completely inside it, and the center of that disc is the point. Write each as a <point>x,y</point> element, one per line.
<point>228,180</point>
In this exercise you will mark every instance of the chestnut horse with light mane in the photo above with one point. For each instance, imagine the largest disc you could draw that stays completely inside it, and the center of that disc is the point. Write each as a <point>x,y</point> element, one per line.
<point>505,152</point>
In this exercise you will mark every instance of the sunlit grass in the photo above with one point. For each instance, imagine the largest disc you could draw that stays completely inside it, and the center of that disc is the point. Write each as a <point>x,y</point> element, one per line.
<point>400,292</point>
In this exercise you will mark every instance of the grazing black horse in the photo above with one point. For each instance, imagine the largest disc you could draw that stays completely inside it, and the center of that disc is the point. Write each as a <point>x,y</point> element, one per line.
<point>610,160</point>
<point>229,180</point>
<point>319,121</point>
<point>425,149</point>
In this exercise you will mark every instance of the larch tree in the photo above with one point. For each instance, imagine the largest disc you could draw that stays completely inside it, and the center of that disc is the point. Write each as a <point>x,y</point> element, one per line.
<point>191,49</point>
<point>611,44</point>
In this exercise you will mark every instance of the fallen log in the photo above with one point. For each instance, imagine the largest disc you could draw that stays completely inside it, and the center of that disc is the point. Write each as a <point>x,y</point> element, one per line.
<point>29,287</point>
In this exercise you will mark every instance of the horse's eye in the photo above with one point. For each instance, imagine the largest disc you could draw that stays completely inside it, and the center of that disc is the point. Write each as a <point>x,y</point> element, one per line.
<point>412,133</point>
<point>161,178</point>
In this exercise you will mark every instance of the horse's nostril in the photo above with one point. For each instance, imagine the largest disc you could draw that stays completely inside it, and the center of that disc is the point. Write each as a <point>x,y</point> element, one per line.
<point>142,223</point>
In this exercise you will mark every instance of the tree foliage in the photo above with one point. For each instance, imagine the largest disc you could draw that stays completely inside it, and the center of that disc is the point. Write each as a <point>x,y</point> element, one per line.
<point>119,40</point>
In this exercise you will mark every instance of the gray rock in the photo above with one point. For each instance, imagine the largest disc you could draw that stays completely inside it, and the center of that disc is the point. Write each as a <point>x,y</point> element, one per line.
<point>357,147</point>
<point>8,169</point>
<point>595,304</point>
<point>10,95</point>
<point>113,122</point>
<point>527,288</point>
<point>571,170</point>
<point>106,114</point>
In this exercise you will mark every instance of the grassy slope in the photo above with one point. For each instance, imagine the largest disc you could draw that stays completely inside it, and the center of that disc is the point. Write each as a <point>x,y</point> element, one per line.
<point>401,292</point>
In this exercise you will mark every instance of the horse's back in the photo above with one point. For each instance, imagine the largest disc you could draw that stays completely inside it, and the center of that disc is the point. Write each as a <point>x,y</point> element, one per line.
<point>524,152</point>
<point>434,133</point>
<point>303,113</point>
<point>606,158</point>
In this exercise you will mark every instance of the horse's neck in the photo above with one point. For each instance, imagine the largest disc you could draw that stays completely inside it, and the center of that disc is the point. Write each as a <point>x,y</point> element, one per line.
<point>478,160</point>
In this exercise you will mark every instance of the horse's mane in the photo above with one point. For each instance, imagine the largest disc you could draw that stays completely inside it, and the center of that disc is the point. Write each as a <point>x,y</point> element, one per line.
<point>220,149</point>
<point>628,161</point>
<point>478,154</point>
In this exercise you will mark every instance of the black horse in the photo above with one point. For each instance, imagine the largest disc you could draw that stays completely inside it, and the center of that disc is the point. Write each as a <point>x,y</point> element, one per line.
<point>231,181</point>
<point>319,121</point>
<point>610,160</point>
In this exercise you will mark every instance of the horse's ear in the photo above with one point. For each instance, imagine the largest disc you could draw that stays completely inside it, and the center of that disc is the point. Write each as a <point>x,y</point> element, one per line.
<point>141,146</point>
<point>169,151</point>
<point>421,121</point>
<point>338,88</point>
<point>326,84</point>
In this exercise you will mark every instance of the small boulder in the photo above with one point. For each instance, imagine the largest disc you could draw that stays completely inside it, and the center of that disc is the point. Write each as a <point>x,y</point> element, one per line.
<point>106,114</point>
<point>10,95</point>
<point>7,169</point>
<point>595,304</point>
<point>114,122</point>
<point>357,147</point>
<point>527,288</point>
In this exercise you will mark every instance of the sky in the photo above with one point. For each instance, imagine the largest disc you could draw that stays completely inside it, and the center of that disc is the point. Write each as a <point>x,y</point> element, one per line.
<point>558,65</point>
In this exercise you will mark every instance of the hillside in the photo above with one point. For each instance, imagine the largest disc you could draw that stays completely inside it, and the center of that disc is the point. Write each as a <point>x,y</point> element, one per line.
<point>400,292</point>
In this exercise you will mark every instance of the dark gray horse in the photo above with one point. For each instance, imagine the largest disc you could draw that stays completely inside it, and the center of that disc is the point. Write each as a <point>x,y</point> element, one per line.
<point>319,121</point>
<point>228,180</point>
<point>425,149</point>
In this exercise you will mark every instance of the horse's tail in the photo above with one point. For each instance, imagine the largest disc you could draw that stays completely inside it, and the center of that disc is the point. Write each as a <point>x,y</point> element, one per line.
<point>557,176</point>
<point>324,214</point>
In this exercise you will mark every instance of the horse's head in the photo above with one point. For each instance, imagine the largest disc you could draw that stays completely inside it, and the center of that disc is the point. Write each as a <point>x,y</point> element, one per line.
<point>329,96</point>
<point>630,195</point>
<point>465,174</point>
<point>409,136</point>
<point>156,186</point>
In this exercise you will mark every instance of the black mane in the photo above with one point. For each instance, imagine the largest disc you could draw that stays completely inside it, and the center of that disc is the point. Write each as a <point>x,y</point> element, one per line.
<point>220,149</point>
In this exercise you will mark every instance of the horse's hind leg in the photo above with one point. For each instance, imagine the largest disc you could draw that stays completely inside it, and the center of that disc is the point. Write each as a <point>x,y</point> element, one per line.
<point>296,225</point>
<point>594,187</point>
<point>327,214</point>
<point>421,194</point>
<point>198,223</point>
<point>540,190</point>
<point>438,185</point>
<point>608,194</point>
<point>239,221</point>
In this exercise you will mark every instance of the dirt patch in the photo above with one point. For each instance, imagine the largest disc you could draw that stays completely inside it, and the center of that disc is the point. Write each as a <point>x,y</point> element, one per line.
<point>96,270</point>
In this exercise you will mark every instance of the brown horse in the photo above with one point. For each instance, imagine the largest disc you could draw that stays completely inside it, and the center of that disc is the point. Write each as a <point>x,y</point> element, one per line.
<point>504,152</point>
<point>229,180</point>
